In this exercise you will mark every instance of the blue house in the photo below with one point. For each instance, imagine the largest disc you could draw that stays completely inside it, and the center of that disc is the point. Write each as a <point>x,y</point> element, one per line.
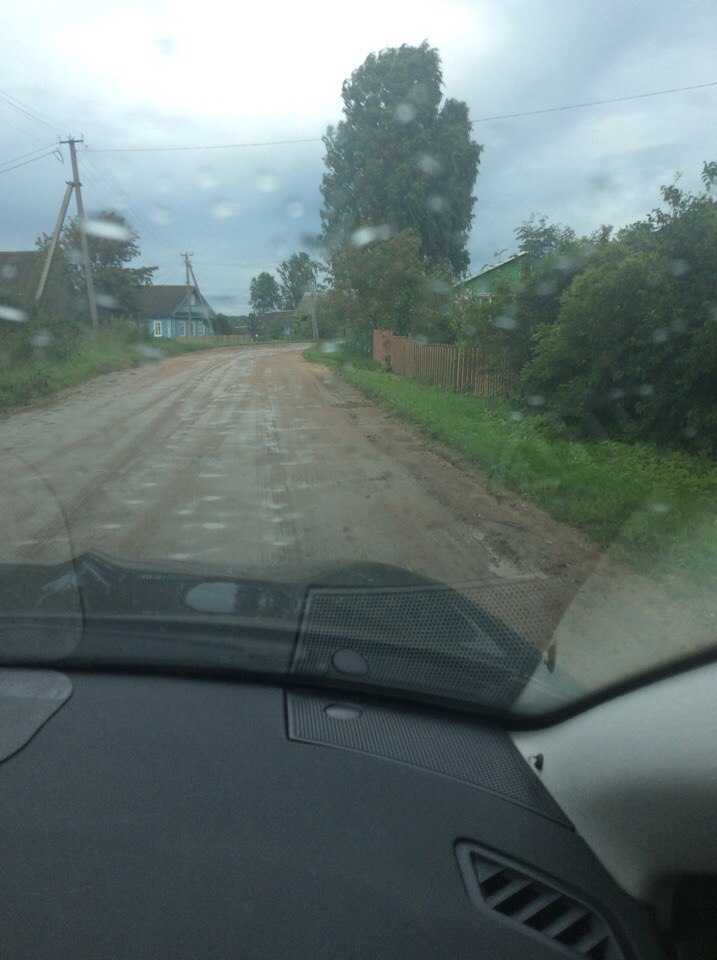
<point>168,314</point>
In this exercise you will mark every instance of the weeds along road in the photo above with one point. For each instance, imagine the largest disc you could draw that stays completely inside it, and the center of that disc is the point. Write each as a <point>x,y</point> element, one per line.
<point>254,457</point>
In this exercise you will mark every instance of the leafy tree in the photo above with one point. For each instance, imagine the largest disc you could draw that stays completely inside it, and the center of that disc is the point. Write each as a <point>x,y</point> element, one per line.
<point>401,159</point>
<point>264,295</point>
<point>253,325</point>
<point>224,325</point>
<point>386,284</point>
<point>112,245</point>
<point>506,324</point>
<point>538,238</point>
<point>298,274</point>
<point>633,351</point>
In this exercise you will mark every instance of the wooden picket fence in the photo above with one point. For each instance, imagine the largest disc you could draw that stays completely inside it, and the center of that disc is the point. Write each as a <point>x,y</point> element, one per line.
<point>220,339</point>
<point>445,366</point>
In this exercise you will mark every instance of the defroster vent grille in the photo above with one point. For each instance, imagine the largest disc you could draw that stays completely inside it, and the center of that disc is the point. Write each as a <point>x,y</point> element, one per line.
<point>538,905</point>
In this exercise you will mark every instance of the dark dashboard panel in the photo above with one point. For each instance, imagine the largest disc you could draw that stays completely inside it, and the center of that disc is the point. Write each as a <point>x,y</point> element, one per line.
<point>164,817</point>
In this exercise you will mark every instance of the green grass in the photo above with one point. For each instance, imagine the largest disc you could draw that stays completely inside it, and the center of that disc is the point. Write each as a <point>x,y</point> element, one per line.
<point>21,384</point>
<point>657,508</point>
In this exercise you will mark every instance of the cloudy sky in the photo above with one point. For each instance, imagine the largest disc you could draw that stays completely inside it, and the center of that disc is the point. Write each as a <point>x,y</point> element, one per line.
<point>138,74</point>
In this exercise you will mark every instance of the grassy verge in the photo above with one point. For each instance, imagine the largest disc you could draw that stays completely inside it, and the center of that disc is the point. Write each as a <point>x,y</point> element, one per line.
<point>656,508</point>
<point>25,383</point>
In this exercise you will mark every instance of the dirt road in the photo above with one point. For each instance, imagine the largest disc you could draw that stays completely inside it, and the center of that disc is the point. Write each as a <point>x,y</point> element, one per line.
<point>255,457</point>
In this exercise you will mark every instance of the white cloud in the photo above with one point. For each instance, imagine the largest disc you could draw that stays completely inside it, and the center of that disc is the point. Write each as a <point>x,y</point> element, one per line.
<point>165,72</point>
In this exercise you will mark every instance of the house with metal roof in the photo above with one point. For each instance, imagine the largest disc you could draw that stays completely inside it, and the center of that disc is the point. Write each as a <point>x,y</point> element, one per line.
<point>481,284</point>
<point>171,312</point>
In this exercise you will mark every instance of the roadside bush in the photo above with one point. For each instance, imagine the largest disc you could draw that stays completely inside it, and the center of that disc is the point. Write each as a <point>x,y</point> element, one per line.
<point>633,351</point>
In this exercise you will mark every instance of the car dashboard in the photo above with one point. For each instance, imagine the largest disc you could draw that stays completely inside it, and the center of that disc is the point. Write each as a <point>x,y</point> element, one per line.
<point>170,816</point>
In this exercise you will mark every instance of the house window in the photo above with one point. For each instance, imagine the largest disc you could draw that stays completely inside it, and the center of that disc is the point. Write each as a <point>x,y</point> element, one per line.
<point>156,328</point>
<point>182,328</point>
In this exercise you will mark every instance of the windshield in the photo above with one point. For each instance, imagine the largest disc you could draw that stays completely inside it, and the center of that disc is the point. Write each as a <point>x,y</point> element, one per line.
<point>383,357</point>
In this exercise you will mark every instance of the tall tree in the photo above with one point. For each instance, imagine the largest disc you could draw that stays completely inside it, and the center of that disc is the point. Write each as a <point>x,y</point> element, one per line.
<point>113,245</point>
<point>264,294</point>
<point>298,274</point>
<point>387,284</point>
<point>402,158</point>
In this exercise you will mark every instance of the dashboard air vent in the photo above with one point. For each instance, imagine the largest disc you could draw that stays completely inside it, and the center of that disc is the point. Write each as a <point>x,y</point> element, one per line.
<point>538,905</point>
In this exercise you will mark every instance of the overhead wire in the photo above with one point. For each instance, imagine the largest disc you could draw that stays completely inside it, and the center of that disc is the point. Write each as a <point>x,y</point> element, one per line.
<point>25,133</point>
<point>42,156</point>
<point>213,146</point>
<point>31,113</point>
<point>30,153</point>
<point>502,116</point>
<point>104,173</point>
<point>595,103</point>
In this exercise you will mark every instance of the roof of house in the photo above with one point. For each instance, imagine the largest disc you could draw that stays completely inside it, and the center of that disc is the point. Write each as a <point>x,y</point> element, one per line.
<point>162,300</point>
<point>491,267</point>
<point>18,270</point>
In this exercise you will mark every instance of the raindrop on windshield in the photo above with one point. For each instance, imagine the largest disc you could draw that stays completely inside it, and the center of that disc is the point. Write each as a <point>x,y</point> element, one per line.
<point>515,415</point>
<point>107,230</point>
<point>266,181</point>
<point>43,338</point>
<point>505,323</point>
<point>405,112</point>
<point>206,179</point>
<point>295,209</point>
<point>436,203</point>
<point>160,215</point>
<point>536,400</point>
<point>660,335</point>
<point>366,235</point>
<point>678,268</point>
<point>12,314</point>
<point>105,300</point>
<point>165,45</point>
<point>151,353</point>
<point>421,339</point>
<point>330,347</point>
<point>224,209</point>
<point>428,164</point>
<point>8,272</point>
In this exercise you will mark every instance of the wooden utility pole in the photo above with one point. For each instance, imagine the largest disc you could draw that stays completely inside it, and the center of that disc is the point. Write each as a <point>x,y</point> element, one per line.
<point>314,324</point>
<point>53,242</point>
<point>206,312</point>
<point>186,257</point>
<point>83,235</point>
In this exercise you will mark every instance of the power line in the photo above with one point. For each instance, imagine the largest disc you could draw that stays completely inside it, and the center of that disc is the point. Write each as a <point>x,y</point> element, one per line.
<point>30,153</point>
<point>261,263</point>
<point>31,113</point>
<point>503,116</point>
<point>595,103</point>
<point>29,116</point>
<point>213,146</point>
<point>42,156</point>
<point>102,171</point>
<point>25,133</point>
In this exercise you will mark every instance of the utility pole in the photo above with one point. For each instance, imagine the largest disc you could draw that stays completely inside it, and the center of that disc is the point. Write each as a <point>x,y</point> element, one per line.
<point>314,325</point>
<point>53,242</point>
<point>83,235</point>
<point>206,312</point>
<point>186,257</point>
